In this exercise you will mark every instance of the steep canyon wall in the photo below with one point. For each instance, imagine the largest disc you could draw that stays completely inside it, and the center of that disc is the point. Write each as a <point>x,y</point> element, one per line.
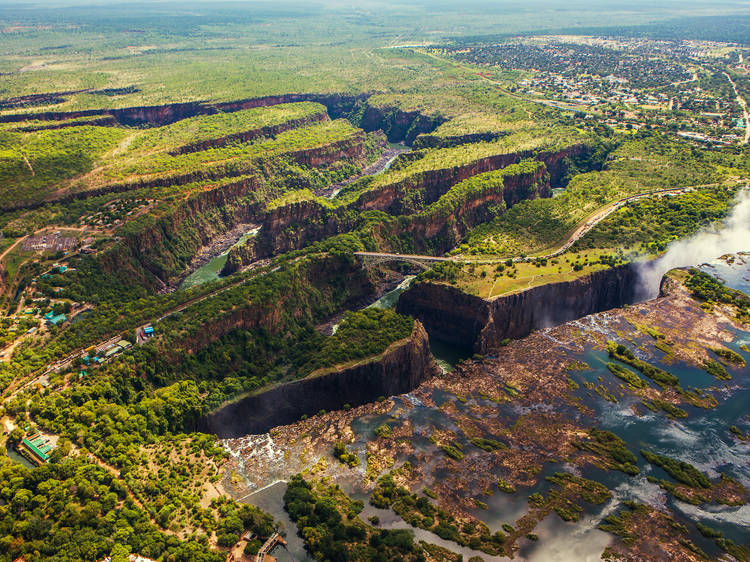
<point>400,369</point>
<point>481,325</point>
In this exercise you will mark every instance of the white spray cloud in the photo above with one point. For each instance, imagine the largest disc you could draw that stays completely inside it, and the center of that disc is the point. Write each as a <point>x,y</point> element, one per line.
<point>730,237</point>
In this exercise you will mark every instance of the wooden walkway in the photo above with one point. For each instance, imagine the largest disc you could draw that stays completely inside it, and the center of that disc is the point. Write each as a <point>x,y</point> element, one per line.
<point>263,554</point>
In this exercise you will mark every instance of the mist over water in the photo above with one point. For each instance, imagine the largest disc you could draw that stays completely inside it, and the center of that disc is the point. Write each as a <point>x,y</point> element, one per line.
<point>729,237</point>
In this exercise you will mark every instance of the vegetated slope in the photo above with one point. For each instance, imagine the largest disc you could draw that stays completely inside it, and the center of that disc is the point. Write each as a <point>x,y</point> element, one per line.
<point>157,157</point>
<point>646,164</point>
<point>652,223</point>
<point>420,179</point>
<point>32,163</point>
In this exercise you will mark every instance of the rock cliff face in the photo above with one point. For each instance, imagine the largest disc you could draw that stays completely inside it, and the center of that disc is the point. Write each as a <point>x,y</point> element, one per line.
<point>434,183</point>
<point>97,121</point>
<point>252,134</point>
<point>397,125</point>
<point>556,161</point>
<point>352,149</point>
<point>401,368</point>
<point>320,289</point>
<point>299,224</point>
<point>669,286</point>
<point>291,227</point>
<point>480,325</point>
<point>157,253</point>
<point>155,115</point>
<point>438,233</point>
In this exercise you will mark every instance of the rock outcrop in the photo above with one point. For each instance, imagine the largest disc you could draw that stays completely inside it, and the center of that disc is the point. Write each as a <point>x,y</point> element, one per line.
<point>397,124</point>
<point>156,115</point>
<point>156,252</point>
<point>400,369</point>
<point>437,232</point>
<point>315,289</point>
<point>481,325</point>
<point>431,184</point>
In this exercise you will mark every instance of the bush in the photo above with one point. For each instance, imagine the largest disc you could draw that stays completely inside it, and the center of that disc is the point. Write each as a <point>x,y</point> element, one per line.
<point>252,547</point>
<point>227,539</point>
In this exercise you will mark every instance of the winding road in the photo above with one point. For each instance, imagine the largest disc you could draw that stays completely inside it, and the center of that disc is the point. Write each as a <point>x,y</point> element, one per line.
<point>577,234</point>
<point>743,104</point>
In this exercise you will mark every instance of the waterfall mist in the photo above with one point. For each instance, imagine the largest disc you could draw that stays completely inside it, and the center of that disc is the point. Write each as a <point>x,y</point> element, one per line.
<point>728,237</point>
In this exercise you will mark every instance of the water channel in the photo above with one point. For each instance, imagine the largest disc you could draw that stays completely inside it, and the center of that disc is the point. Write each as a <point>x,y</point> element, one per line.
<point>702,439</point>
<point>210,271</point>
<point>393,151</point>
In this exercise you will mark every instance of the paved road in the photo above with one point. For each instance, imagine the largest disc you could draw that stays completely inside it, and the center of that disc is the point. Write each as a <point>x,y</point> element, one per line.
<point>595,219</point>
<point>602,214</point>
<point>743,105</point>
<point>577,234</point>
<point>66,361</point>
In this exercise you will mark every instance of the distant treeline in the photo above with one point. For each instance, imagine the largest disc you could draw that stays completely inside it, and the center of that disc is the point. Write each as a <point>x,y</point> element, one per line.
<point>727,29</point>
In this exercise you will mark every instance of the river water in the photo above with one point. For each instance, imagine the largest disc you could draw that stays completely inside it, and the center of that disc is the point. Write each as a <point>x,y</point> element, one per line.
<point>702,439</point>
<point>393,151</point>
<point>389,299</point>
<point>210,271</point>
<point>446,355</point>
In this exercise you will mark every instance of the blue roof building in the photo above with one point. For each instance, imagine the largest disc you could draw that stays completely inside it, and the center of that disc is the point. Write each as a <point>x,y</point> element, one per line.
<point>57,320</point>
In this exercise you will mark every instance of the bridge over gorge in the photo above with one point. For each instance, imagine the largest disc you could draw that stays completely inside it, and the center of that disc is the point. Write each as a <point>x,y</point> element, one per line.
<point>375,258</point>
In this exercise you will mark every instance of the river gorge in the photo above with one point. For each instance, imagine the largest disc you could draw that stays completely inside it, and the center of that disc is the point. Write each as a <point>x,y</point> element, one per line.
<point>550,384</point>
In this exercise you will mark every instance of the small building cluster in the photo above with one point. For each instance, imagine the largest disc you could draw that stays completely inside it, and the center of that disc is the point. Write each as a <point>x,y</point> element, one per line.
<point>53,319</point>
<point>54,242</point>
<point>36,448</point>
<point>95,356</point>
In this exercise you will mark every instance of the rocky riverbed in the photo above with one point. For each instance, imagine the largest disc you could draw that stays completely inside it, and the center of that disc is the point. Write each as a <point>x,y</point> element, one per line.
<point>487,439</point>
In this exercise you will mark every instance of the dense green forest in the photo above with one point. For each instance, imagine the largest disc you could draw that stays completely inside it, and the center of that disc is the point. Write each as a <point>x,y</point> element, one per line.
<point>655,222</point>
